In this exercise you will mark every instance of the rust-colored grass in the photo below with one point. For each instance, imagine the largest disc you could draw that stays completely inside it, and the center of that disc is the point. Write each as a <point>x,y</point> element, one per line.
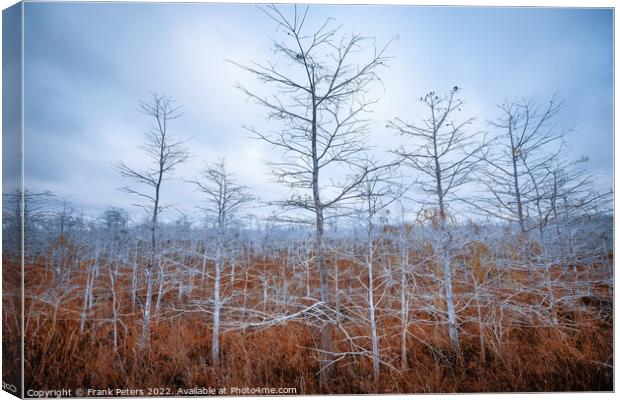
<point>575,355</point>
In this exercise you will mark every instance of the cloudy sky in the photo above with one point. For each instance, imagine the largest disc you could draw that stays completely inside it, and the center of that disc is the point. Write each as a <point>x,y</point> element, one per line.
<point>88,65</point>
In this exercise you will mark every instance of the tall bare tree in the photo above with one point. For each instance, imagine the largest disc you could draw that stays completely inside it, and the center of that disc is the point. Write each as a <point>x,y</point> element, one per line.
<point>517,177</point>
<point>376,194</point>
<point>569,193</point>
<point>223,198</point>
<point>525,144</point>
<point>445,154</point>
<point>443,151</point>
<point>322,81</point>
<point>164,153</point>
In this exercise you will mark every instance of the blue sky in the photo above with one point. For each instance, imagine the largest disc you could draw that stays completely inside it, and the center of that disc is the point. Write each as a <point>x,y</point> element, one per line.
<point>87,65</point>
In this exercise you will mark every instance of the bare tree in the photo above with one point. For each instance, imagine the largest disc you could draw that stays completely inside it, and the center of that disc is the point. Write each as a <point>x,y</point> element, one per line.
<point>517,176</point>
<point>445,153</point>
<point>403,239</point>
<point>376,194</point>
<point>569,192</point>
<point>66,219</point>
<point>87,303</point>
<point>522,152</point>
<point>223,198</point>
<point>562,193</point>
<point>115,308</point>
<point>165,153</point>
<point>445,156</point>
<point>321,102</point>
<point>24,209</point>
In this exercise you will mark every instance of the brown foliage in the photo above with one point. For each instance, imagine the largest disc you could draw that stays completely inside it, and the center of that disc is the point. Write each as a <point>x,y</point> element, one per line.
<point>574,355</point>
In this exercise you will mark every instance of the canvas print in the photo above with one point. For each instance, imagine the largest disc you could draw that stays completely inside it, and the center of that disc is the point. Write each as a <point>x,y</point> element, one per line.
<point>291,199</point>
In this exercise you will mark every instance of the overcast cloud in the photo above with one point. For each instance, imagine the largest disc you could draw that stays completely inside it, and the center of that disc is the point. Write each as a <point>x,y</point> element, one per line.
<point>87,65</point>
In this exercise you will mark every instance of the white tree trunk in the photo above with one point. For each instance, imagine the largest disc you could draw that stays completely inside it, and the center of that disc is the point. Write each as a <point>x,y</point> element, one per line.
<point>134,279</point>
<point>404,307</point>
<point>147,308</point>
<point>554,315</point>
<point>452,324</point>
<point>87,297</point>
<point>480,324</point>
<point>219,261</point>
<point>371,310</point>
<point>114,314</point>
<point>160,289</point>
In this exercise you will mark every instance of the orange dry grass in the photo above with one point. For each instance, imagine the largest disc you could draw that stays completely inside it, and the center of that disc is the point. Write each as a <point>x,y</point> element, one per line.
<point>573,356</point>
